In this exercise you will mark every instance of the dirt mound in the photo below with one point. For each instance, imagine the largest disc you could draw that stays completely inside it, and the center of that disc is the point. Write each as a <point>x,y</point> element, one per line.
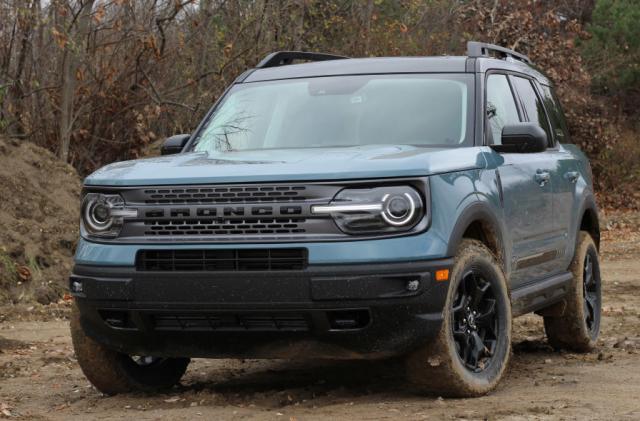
<point>39,198</point>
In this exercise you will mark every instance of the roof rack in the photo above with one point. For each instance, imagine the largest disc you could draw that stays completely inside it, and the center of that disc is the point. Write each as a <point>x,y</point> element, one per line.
<point>481,49</point>
<point>282,58</point>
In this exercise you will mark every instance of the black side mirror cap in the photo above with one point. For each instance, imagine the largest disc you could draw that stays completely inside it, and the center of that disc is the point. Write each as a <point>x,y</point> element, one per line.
<point>174,144</point>
<point>522,138</point>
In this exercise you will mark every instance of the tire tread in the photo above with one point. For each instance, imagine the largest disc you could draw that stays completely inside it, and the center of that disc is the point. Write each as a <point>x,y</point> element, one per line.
<point>433,369</point>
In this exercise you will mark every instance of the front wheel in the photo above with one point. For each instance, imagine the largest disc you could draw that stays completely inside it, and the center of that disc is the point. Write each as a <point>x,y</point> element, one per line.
<point>472,349</point>
<point>578,327</point>
<point>112,372</point>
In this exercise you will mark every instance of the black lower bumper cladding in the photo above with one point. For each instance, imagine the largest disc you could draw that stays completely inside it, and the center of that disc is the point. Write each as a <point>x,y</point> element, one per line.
<point>321,311</point>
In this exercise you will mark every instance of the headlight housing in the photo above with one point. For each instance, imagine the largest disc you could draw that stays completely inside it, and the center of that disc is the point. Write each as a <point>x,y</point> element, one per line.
<point>375,210</point>
<point>102,215</point>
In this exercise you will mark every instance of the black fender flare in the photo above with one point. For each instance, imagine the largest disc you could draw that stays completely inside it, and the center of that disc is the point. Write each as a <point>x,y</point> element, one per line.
<point>588,205</point>
<point>480,211</point>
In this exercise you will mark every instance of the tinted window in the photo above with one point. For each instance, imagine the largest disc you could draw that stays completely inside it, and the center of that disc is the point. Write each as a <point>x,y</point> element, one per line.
<point>556,116</point>
<point>421,110</point>
<point>501,107</point>
<point>532,104</point>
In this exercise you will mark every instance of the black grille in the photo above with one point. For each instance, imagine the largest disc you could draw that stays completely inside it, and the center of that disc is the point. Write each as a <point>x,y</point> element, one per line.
<point>229,227</point>
<point>222,260</point>
<point>231,322</point>
<point>237,194</point>
<point>246,213</point>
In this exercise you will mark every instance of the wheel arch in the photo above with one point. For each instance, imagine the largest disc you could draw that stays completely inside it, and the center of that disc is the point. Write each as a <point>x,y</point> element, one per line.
<point>589,221</point>
<point>479,221</point>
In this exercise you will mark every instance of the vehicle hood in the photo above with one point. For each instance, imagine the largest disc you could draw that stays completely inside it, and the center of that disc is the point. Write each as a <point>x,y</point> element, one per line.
<point>338,163</point>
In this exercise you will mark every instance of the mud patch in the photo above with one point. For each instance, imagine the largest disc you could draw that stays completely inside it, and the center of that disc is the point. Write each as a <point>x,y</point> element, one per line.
<point>10,344</point>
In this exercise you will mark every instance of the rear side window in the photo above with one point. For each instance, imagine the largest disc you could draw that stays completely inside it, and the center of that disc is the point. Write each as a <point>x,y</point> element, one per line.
<point>532,105</point>
<point>556,116</point>
<point>501,107</point>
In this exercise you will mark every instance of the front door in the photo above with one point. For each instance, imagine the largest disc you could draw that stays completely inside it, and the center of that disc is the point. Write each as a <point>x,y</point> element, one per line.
<point>527,188</point>
<point>565,178</point>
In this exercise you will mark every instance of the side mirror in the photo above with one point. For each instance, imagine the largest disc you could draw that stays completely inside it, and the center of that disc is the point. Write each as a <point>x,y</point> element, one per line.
<point>174,144</point>
<point>522,138</point>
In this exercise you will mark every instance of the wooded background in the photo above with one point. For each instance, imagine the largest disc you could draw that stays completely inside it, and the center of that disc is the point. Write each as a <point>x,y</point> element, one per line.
<point>96,81</point>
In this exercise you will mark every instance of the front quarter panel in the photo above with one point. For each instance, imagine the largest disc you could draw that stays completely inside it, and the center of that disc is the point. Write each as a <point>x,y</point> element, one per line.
<point>451,194</point>
<point>461,198</point>
<point>482,202</point>
<point>584,197</point>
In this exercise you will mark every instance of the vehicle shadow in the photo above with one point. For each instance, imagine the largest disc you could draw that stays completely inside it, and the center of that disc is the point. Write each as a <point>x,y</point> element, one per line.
<point>283,382</point>
<point>276,383</point>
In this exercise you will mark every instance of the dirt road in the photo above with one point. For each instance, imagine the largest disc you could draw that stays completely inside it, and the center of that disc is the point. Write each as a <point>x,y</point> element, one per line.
<point>39,379</point>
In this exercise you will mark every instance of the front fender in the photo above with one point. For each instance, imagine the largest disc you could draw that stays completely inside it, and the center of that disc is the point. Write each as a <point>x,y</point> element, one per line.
<point>462,198</point>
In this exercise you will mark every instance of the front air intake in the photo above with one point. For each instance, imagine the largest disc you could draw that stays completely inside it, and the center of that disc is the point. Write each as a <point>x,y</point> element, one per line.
<point>229,260</point>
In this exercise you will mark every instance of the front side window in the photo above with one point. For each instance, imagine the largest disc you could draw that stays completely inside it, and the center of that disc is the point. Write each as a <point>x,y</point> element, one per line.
<point>532,105</point>
<point>501,107</point>
<point>556,116</point>
<point>422,110</point>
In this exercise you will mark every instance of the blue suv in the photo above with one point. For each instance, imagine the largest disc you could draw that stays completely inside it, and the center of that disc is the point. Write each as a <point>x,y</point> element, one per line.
<point>345,208</point>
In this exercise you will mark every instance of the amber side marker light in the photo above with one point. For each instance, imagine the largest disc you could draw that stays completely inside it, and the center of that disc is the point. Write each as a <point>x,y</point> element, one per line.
<point>442,275</point>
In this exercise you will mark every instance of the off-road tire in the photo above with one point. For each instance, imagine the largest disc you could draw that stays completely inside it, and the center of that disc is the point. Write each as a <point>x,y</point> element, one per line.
<point>437,368</point>
<point>569,330</point>
<point>112,372</point>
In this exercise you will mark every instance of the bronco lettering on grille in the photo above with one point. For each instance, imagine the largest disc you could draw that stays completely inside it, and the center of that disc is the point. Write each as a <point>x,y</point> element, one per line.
<point>225,211</point>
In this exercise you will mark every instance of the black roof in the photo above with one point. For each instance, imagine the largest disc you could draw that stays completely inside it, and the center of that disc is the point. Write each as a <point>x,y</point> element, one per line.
<point>478,60</point>
<point>354,66</point>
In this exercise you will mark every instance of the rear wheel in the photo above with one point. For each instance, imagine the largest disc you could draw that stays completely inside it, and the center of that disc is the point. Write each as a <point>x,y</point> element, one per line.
<point>472,349</point>
<point>578,326</point>
<point>112,372</point>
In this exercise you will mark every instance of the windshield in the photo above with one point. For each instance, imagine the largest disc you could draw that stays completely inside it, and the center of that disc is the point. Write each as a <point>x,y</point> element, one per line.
<point>421,110</point>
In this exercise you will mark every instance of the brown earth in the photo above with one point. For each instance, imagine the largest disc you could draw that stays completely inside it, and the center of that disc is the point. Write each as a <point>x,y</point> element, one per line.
<point>38,222</point>
<point>40,380</point>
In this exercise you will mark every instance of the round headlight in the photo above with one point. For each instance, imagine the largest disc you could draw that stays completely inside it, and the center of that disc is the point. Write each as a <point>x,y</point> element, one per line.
<point>103,214</point>
<point>398,210</point>
<point>97,215</point>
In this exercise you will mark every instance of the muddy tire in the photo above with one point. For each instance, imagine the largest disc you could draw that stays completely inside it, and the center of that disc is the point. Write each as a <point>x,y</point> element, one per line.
<point>578,326</point>
<point>472,350</point>
<point>112,372</point>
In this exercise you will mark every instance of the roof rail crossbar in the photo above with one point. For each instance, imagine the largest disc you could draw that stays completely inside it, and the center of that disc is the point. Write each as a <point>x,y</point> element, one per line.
<point>481,49</point>
<point>282,58</point>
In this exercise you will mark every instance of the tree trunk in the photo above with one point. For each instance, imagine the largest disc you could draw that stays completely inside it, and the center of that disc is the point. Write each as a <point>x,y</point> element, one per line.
<point>367,27</point>
<point>202,64</point>
<point>71,61</point>
<point>16,90</point>
<point>299,26</point>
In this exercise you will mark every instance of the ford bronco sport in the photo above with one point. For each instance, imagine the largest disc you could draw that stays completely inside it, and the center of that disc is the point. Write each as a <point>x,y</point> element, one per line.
<point>345,208</point>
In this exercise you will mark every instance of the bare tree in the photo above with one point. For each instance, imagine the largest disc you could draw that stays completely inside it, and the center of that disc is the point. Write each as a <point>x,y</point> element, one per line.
<point>74,33</point>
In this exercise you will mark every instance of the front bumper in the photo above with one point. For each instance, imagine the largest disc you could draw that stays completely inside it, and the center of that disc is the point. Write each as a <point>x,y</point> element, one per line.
<point>323,311</point>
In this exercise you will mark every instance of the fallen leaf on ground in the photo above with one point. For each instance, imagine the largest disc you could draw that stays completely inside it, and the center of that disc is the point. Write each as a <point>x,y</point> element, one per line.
<point>23,273</point>
<point>4,410</point>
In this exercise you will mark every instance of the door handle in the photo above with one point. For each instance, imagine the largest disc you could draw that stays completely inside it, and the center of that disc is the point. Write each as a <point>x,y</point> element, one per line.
<point>572,176</point>
<point>542,177</point>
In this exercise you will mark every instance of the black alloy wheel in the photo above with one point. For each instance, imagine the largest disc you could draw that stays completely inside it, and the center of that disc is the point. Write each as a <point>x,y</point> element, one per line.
<point>475,321</point>
<point>591,292</point>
